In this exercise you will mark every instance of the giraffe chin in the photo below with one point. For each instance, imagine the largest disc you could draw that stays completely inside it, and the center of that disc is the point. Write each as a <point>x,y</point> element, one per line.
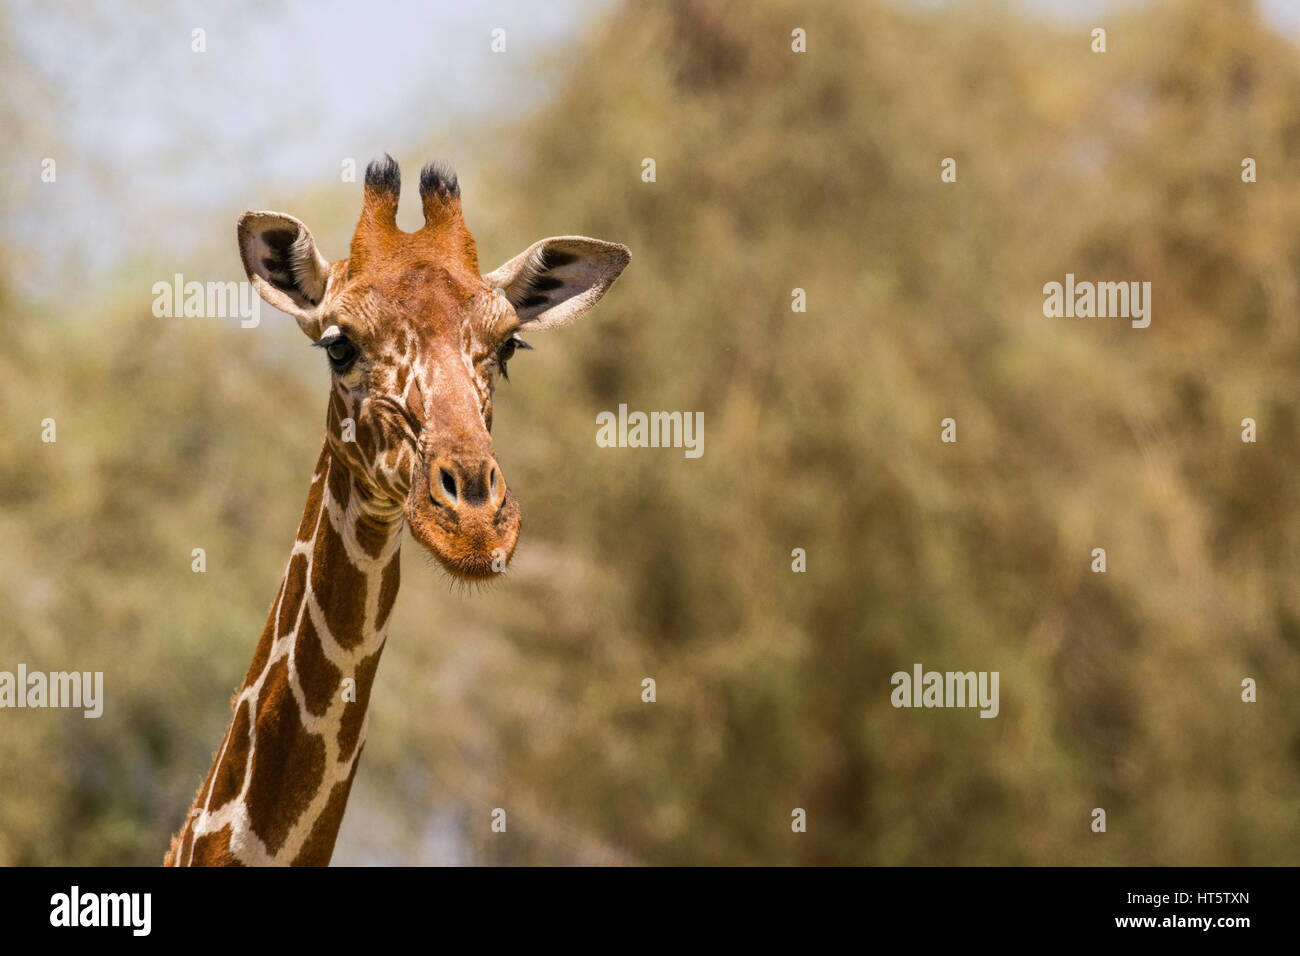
<point>469,551</point>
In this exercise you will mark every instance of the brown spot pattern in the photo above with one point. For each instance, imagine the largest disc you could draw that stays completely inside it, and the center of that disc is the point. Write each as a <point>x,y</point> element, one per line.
<point>340,484</point>
<point>371,535</point>
<point>388,590</point>
<point>320,842</point>
<point>295,587</point>
<point>263,651</point>
<point>213,849</point>
<point>340,588</point>
<point>308,523</point>
<point>229,774</point>
<point>355,713</point>
<point>318,677</point>
<point>288,762</point>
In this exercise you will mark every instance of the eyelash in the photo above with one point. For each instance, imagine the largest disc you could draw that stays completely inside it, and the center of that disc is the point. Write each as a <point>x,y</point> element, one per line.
<point>349,352</point>
<point>507,352</point>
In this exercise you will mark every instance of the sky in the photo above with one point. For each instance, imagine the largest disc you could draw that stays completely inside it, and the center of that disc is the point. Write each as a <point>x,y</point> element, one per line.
<point>146,131</point>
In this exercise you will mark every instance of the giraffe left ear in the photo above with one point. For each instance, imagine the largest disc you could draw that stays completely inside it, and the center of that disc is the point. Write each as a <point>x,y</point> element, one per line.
<point>554,281</point>
<point>284,265</point>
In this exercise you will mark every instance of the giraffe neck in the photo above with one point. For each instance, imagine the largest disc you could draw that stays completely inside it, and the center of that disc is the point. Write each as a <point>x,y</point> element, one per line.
<point>280,781</point>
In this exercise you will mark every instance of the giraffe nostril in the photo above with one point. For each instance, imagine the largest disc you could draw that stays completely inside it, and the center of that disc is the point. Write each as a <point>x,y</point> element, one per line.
<point>496,488</point>
<point>448,485</point>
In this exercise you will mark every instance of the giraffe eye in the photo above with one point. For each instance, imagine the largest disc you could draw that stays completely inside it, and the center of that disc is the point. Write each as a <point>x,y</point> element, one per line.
<point>507,351</point>
<point>342,353</point>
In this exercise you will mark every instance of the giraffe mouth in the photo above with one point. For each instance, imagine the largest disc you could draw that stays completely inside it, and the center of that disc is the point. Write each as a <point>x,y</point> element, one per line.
<point>471,542</point>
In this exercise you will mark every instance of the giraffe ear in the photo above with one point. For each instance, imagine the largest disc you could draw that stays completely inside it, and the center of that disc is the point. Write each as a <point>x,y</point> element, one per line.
<point>554,281</point>
<point>284,265</point>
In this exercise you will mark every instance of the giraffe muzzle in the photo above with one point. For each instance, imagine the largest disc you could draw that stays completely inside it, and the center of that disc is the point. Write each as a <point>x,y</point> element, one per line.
<point>462,511</point>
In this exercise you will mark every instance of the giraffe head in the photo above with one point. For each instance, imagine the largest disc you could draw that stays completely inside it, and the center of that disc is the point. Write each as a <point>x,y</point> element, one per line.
<point>416,338</point>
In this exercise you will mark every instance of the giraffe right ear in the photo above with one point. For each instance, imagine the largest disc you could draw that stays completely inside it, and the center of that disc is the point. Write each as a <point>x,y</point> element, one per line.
<point>284,265</point>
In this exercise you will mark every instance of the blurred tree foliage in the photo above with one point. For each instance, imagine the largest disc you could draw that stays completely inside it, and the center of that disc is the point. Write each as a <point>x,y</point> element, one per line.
<point>775,170</point>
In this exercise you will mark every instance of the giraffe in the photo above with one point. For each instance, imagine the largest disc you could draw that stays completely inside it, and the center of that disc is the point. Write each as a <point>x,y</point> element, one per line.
<point>415,339</point>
